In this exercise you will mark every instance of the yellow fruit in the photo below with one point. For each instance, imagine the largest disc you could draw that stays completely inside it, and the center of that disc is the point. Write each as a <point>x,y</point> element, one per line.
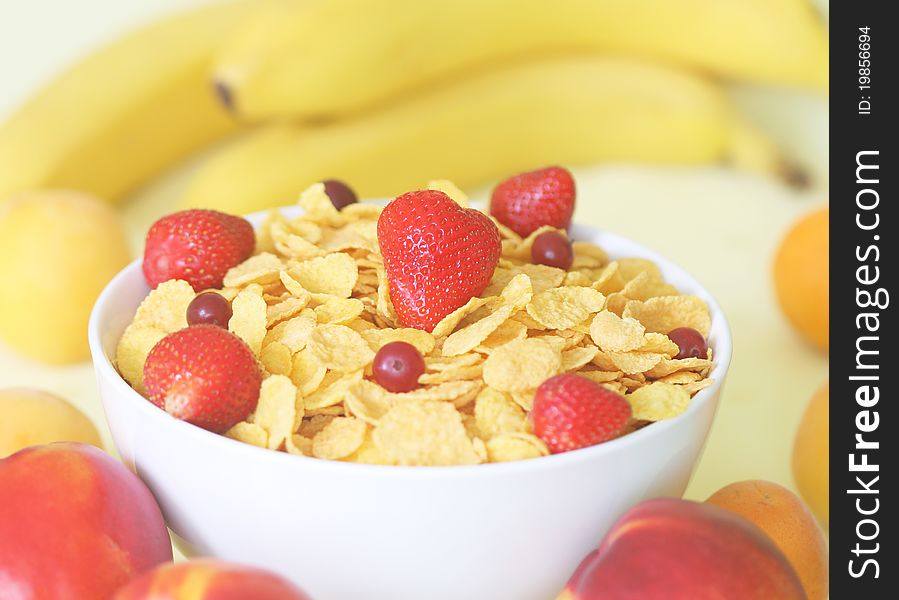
<point>568,110</point>
<point>801,277</point>
<point>124,113</point>
<point>327,58</point>
<point>811,465</point>
<point>788,522</point>
<point>58,249</point>
<point>32,417</point>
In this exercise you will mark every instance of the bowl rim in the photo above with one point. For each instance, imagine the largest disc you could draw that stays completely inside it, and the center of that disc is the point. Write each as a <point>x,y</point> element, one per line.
<point>723,349</point>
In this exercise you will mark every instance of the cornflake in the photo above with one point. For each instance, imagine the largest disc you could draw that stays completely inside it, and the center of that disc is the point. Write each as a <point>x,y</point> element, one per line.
<point>165,308</point>
<point>249,433</point>
<point>333,275</point>
<point>496,413</point>
<point>515,446</point>
<point>658,401</point>
<point>314,306</point>
<point>563,307</point>
<point>276,359</point>
<point>339,438</point>
<point>664,313</point>
<point>521,365</point>
<point>339,348</point>
<point>132,351</point>
<point>249,317</point>
<point>276,409</point>
<point>427,433</point>
<point>339,310</point>
<point>614,334</point>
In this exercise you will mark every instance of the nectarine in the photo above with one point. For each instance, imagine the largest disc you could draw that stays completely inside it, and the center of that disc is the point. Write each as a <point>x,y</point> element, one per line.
<point>668,549</point>
<point>788,522</point>
<point>209,580</point>
<point>74,524</point>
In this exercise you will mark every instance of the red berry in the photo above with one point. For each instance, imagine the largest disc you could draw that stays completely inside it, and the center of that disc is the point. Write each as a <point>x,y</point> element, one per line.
<point>209,308</point>
<point>198,246</point>
<point>572,412</point>
<point>553,250</point>
<point>437,255</point>
<point>339,193</point>
<point>528,201</point>
<point>690,343</point>
<point>398,366</point>
<point>204,375</point>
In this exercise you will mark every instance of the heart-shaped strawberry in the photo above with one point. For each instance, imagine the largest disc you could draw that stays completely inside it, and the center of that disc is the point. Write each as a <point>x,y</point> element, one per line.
<point>437,254</point>
<point>526,202</point>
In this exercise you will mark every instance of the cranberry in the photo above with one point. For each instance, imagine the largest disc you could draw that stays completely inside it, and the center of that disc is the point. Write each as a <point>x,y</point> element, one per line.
<point>340,193</point>
<point>690,342</point>
<point>398,366</point>
<point>553,250</point>
<point>209,308</point>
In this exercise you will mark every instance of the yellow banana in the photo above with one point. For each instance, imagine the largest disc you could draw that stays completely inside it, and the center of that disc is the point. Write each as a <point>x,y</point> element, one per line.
<point>332,57</point>
<point>124,113</point>
<point>570,110</point>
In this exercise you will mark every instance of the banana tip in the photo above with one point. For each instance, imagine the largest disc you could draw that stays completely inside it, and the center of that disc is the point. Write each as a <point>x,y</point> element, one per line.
<point>795,176</point>
<point>223,92</point>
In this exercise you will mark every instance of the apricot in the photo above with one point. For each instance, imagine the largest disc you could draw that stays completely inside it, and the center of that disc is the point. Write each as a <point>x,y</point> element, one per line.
<point>811,452</point>
<point>209,580</point>
<point>58,249</point>
<point>669,549</point>
<point>802,279</point>
<point>31,417</point>
<point>788,522</point>
<point>75,524</point>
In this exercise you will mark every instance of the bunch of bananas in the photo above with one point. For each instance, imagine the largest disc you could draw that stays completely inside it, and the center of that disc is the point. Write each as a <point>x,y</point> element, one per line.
<point>389,93</point>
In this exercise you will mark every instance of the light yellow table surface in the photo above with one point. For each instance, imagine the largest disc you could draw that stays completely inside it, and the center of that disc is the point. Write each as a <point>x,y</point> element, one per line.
<point>721,226</point>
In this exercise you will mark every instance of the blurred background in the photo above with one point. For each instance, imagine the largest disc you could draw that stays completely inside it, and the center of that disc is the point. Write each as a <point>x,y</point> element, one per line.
<point>698,129</point>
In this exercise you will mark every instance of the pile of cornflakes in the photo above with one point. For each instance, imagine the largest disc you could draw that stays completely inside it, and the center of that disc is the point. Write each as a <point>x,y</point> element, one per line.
<point>313,304</point>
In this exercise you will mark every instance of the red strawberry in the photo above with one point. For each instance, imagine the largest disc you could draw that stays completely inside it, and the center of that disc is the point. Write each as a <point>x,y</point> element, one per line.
<point>528,201</point>
<point>572,412</point>
<point>437,254</point>
<point>204,375</point>
<point>198,246</point>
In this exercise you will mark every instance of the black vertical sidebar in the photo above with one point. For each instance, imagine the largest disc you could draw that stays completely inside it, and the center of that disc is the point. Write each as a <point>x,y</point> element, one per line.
<point>864,420</point>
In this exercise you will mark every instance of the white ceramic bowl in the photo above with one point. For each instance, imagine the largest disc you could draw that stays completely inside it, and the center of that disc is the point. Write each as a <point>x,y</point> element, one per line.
<point>342,531</point>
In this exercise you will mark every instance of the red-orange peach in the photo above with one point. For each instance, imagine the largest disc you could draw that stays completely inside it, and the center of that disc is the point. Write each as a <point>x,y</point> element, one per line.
<point>670,549</point>
<point>74,524</point>
<point>209,580</point>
